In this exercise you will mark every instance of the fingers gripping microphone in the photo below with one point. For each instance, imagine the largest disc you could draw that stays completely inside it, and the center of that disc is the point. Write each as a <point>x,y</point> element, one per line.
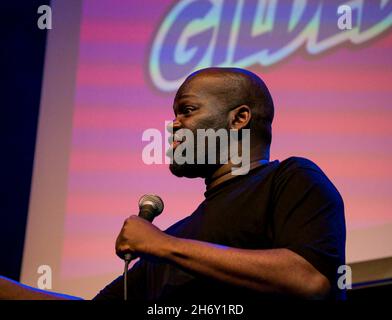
<point>150,206</point>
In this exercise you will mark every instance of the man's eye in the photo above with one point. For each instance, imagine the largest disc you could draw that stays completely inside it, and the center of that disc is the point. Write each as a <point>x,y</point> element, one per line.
<point>187,110</point>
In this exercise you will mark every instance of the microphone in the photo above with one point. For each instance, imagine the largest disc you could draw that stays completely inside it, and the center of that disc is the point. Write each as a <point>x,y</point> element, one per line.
<point>150,206</point>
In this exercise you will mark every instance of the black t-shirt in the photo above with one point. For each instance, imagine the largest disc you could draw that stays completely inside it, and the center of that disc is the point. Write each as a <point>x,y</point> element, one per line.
<point>289,204</point>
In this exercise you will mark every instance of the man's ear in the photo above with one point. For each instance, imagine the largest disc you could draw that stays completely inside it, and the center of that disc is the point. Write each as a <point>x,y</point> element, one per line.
<point>240,117</point>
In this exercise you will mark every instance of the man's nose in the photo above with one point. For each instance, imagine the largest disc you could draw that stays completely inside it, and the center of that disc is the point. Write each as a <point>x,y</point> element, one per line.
<point>173,126</point>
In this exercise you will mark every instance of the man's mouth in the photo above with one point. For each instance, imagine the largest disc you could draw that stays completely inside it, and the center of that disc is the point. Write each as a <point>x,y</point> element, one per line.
<point>176,141</point>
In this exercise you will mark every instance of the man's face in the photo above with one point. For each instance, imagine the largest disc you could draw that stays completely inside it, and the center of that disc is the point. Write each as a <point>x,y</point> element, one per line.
<point>197,106</point>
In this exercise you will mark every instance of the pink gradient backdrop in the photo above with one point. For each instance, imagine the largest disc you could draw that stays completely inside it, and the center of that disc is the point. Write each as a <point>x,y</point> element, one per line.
<point>334,108</point>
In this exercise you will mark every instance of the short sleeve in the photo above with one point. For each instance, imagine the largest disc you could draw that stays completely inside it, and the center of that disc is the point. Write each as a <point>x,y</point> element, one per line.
<point>309,219</point>
<point>136,285</point>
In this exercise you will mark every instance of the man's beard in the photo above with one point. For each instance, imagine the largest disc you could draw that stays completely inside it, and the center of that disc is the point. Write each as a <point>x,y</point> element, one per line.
<point>199,170</point>
<point>193,170</point>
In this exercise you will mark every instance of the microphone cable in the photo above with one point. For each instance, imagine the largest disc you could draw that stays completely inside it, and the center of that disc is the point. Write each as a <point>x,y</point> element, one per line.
<point>126,265</point>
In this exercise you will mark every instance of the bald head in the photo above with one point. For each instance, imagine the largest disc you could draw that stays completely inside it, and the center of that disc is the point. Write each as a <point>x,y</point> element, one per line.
<point>234,87</point>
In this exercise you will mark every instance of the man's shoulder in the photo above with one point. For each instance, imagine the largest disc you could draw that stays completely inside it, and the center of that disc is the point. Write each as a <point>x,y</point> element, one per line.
<point>295,163</point>
<point>297,166</point>
<point>298,171</point>
<point>303,169</point>
<point>282,170</point>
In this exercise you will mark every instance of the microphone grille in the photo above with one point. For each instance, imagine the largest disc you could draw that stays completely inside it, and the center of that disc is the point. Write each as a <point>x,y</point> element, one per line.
<point>153,200</point>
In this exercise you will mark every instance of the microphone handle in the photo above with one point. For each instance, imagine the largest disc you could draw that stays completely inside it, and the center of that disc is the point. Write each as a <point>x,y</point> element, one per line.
<point>128,256</point>
<point>146,212</point>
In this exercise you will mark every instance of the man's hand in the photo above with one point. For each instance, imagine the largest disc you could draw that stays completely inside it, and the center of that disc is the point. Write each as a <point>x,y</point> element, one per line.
<point>140,237</point>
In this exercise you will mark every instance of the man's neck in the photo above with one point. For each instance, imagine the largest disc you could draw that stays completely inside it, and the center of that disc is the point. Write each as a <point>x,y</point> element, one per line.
<point>224,172</point>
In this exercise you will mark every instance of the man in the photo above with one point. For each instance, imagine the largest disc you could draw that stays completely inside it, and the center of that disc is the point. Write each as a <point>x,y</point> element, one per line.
<point>277,232</point>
